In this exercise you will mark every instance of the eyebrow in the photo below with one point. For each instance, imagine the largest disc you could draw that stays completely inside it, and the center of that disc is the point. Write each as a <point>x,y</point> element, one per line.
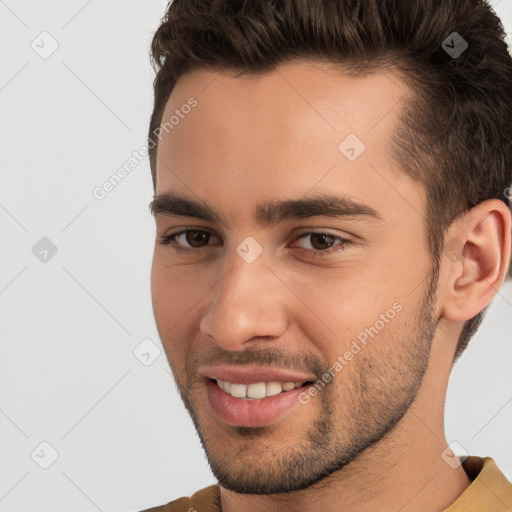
<point>268,213</point>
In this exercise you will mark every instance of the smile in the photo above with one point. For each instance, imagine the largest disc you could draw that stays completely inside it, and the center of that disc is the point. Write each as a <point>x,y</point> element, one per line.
<point>258,390</point>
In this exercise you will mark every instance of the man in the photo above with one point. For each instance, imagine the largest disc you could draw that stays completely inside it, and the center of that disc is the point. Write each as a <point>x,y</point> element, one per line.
<point>331,200</point>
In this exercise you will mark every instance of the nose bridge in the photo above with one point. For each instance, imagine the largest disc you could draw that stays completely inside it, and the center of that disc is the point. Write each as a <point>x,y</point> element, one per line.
<point>245,302</point>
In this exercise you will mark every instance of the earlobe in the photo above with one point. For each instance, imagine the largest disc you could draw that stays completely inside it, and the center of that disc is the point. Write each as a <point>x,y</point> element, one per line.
<point>475,259</point>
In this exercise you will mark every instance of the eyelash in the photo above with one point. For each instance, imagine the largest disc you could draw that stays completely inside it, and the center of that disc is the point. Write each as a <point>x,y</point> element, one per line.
<point>170,240</point>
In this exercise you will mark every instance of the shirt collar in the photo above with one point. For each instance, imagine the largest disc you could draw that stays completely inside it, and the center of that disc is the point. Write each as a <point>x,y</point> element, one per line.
<point>489,490</point>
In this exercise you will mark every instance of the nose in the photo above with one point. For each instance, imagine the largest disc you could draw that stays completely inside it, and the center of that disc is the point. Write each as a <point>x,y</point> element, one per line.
<point>246,304</point>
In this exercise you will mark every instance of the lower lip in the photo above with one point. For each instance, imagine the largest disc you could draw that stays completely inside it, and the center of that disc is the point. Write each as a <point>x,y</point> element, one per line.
<point>250,413</point>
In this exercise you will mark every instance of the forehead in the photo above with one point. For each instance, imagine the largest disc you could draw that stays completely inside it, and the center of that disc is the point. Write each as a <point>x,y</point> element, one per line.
<point>280,134</point>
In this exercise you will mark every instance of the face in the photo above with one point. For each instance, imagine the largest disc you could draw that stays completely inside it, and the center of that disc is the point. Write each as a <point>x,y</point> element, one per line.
<point>290,277</point>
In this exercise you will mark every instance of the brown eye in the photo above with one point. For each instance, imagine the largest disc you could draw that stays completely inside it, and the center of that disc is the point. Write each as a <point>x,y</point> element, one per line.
<point>197,238</point>
<point>321,244</point>
<point>321,241</point>
<point>188,240</point>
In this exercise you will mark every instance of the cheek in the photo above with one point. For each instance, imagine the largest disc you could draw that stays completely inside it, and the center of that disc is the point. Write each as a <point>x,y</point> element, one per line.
<point>178,292</point>
<point>167,312</point>
<point>174,286</point>
<point>169,295</point>
<point>343,309</point>
<point>342,297</point>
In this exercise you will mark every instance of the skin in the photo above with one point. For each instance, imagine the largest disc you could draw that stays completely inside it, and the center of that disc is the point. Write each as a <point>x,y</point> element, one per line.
<point>372,438</point>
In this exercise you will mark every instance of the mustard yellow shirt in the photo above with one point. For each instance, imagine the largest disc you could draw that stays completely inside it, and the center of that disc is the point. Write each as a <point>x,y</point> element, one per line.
<point>489,491</point>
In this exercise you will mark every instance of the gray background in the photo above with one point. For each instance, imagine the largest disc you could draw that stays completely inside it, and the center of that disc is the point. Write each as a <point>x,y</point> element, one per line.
<point>70,324</point>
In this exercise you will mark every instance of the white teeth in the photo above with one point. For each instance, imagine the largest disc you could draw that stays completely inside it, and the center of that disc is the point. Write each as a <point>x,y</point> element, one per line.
<point>238,390</point>
<point>273,388</point>
<point>257,390</point>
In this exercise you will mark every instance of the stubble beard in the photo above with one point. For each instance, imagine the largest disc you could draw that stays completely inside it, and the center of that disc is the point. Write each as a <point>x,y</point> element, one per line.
<point>374,402</point>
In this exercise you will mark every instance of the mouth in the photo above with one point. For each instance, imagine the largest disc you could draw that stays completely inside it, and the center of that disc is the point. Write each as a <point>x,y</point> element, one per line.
<point>256,404</point>
<point>257,390</point>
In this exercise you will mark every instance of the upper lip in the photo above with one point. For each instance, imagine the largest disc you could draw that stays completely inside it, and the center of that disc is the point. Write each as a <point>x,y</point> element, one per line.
<point>252,374</point>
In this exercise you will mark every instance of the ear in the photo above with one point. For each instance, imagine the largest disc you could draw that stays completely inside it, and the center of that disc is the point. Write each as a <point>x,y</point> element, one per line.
<point>475,260</point>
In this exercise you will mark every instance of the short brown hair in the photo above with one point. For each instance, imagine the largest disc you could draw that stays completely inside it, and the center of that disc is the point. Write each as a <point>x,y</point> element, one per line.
<point>455,135</point>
